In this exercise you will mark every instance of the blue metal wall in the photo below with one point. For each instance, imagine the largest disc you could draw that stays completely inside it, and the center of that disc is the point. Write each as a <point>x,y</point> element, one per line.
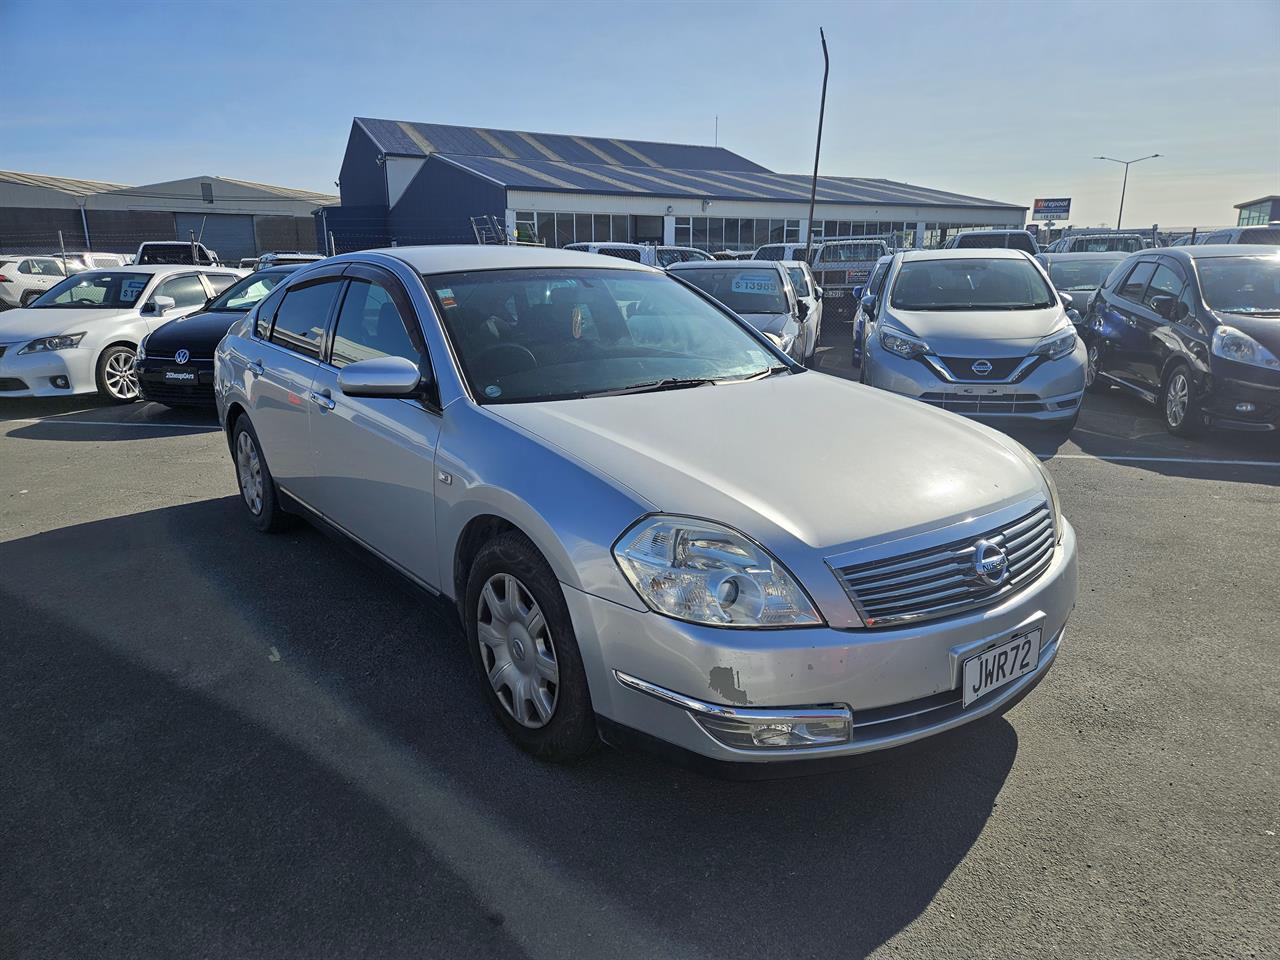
<point>439,203</point>
<point>363,181</point>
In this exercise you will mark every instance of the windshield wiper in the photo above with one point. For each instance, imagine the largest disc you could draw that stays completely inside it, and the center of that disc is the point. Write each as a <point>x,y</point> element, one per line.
<point>762,375</point>
<point>655,386</point>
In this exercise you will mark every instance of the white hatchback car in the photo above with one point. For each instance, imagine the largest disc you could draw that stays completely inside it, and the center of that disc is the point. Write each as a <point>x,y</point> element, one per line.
<point>82,336</point>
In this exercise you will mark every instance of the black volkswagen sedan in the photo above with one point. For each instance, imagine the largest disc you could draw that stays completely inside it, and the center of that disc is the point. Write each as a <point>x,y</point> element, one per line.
<point>175,364</point>
<point>1194,330</point>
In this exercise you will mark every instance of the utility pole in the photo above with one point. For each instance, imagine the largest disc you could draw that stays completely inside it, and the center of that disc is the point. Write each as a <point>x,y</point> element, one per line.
<point>817,150</point>
<point>1125,183</point>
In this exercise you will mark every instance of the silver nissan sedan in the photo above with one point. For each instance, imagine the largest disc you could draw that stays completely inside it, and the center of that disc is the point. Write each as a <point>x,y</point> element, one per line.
<point>646,532</point>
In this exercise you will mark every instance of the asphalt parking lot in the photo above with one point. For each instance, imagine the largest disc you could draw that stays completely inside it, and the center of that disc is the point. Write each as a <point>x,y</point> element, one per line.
<point>220,744</point>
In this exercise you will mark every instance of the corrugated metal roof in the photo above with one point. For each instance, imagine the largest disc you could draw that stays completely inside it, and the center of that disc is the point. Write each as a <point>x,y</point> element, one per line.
<point>550,175</point>
<point>67,185</point>
<point>419,139</point>
<point>289,193</point>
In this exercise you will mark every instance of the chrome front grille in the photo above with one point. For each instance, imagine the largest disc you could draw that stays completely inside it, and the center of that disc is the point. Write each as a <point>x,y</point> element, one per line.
<point>941,580</point>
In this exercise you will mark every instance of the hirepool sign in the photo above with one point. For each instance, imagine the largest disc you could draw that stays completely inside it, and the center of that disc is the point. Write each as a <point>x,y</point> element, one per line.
<point>1056,209</point>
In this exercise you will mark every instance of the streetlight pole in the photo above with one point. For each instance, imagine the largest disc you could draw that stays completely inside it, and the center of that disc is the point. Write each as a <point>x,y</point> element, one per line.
<point>817,150</point>
<point>1124,185</point>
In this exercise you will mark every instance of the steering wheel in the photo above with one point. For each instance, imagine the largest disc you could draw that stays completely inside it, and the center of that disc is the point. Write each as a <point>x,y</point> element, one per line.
<point>506,358</point>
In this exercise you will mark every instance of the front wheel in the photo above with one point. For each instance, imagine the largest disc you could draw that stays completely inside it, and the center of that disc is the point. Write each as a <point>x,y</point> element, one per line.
<point>117,374</point>
<point>1178,405</point>
<point>526,653</point>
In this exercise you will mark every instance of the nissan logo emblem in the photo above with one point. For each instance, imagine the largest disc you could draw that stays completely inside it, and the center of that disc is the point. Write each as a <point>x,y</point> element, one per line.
<point>981,367</point>
<point>182,356</point>
<point>990,563</point>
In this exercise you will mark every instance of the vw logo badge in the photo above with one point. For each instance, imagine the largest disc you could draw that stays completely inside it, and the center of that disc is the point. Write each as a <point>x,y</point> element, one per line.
<point>182,356</point>
<point>981,367</point>
<point>990,563</point>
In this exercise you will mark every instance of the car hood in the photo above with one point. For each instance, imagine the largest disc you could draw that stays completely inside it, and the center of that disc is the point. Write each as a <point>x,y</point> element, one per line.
<point>761,456</point>
<point>1266,330</point>
<point>199,333</point>
<point>28,323</point>
<point>980,333</point>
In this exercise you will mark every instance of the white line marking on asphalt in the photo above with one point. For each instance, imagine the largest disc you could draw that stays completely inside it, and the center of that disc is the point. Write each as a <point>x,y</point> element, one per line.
<point>1125,459</point>
<point>113,423</point>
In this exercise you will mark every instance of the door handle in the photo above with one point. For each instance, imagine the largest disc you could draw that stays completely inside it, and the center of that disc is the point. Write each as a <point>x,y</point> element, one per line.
<point>254,367</point>
<point>323,399</point>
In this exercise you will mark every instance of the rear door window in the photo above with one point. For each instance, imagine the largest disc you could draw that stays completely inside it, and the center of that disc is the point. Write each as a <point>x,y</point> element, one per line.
<point>304,312</point>
<point>1136,282</point>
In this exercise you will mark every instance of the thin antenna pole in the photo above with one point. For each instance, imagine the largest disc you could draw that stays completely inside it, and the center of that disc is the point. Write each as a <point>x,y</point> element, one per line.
<point>817,150</point>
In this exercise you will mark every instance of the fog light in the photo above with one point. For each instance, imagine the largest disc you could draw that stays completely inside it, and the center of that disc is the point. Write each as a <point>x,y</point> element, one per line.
<point>1245,408</point>
<point>745,732</point>
<point>61,383</point>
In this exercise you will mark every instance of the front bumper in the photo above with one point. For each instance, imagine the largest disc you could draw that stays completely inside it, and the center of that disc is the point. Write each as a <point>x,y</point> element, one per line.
<point>35,374</point>
<point>1050,393</point>
<point>899,685</point>
<point>166,381</point>
<point>1227,402</point>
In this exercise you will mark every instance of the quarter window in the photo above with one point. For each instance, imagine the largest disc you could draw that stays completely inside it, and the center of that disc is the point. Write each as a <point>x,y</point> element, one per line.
<point>370,326</point>
<point>1136,282</point>
<point>302,316</point>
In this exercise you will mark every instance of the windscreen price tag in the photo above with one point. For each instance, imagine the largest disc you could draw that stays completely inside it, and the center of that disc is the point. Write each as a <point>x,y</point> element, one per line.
<point>131,288</point>
<point>755,283</point>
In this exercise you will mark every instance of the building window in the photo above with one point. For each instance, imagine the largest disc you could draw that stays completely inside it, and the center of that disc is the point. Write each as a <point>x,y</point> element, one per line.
<point>1255,214</point>
<point>684,231</point>
<point>526,226</point>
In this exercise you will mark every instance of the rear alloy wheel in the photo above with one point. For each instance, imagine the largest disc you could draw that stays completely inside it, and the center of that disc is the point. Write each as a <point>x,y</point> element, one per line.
<point>1092,382</point>
<point>257,488</point>
<point>1178,404</point>
<point>118,375</point>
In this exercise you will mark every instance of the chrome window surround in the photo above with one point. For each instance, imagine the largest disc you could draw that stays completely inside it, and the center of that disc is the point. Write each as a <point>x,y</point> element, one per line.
<point>924,576</point>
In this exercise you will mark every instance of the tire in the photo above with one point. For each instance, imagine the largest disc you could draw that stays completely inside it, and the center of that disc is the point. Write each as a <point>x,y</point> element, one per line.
<point>1091,381</point>
<point>116,375</point>
<point>1062,431</point>
<point>539,691</point>
<point>257,487</point>
<point>1179,408</point>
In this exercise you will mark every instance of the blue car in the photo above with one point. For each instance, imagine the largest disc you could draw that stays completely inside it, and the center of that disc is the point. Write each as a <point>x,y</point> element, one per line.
<point>872,287</point>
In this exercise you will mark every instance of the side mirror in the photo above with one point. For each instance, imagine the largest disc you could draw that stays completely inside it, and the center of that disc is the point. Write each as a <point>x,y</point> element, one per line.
<point>858,291</point>
<point>868,303</point>
<point>1180,312</point>
<point>158,306</point>
<point>381,377</point>
<point>802,309</point>
<point>1163,304</point>
<point>817,293</point>
<point>1068,301</point>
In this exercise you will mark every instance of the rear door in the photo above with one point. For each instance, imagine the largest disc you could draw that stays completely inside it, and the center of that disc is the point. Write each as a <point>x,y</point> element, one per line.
<point>374,457</point>
<point>282,366</point>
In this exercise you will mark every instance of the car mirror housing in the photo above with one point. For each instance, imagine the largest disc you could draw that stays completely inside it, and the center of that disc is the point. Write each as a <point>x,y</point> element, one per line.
<point>802,309</point>
<point>1068,301</point>
<point>1163,305</point>
<point>158,306</point>
<point>381,377</point>
<point>868,303</point>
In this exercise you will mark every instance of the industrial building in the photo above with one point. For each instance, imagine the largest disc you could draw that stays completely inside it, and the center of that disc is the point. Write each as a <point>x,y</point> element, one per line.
<point>407,183</point>
<point>234,217</point>
<point>1254,212</point>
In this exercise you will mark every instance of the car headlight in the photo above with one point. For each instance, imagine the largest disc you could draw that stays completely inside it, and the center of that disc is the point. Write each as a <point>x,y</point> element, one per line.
<point>783,343</point>
<point>905,346</point>
<point>703,572</point>
<point>62,342</point>
<point>1059,344</point>
<point>1232,344</point>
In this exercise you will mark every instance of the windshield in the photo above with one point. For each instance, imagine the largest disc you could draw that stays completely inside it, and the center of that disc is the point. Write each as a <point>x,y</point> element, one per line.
<point>1080,274</point>
<point>560,334</point>
<point>1106,244</point>
<point>851,252</point>
<point>245,295</point>
<point>742,289</point>
<point>104,289</point>
<point>970,285</point>
<point>1241,284</point>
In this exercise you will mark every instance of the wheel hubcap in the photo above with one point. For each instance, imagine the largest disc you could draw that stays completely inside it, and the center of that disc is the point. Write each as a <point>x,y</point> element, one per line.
<point>249,469</point>
<point>1091,367</point>
<point>518,653</point>
<point>121,376</point>
<point>1175,401</point>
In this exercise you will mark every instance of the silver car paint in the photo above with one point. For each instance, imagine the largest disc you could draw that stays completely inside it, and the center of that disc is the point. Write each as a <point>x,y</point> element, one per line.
<point>574,475</point>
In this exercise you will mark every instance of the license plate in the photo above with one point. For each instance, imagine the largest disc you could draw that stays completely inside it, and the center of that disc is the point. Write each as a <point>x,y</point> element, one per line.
<point>993,668</point>
<point>180,376</point>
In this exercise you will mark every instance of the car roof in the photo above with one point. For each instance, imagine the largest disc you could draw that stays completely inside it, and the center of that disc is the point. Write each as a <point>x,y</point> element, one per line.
<point>158,268</point>
<point>794,263</point>
<point>966,233</point>
<point>1207,251</point>
<point>722,264</point>
<point>964,253</point>
<point>456,258</point>
<point>1086,254</point>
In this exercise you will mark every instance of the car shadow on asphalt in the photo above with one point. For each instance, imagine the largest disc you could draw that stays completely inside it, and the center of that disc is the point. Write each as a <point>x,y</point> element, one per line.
<point>64,420</point>
<point>268,746</point>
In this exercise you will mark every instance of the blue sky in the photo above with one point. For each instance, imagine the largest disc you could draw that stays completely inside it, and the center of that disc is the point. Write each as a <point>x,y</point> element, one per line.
<point>1002,100</point>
